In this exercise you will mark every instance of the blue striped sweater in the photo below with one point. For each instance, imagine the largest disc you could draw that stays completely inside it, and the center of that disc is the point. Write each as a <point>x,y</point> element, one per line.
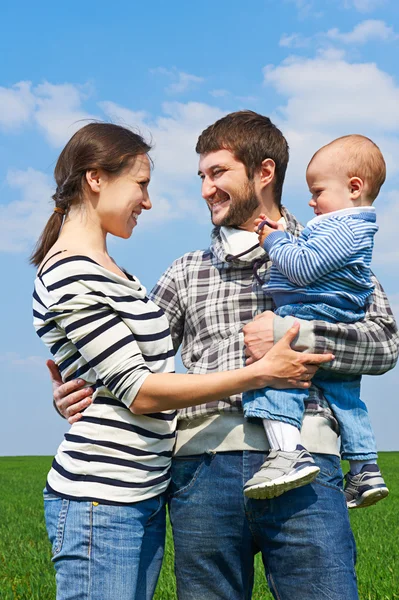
<point>329,262</point>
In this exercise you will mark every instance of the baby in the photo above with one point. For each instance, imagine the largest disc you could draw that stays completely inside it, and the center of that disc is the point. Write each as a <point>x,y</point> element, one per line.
<point>323,274</point>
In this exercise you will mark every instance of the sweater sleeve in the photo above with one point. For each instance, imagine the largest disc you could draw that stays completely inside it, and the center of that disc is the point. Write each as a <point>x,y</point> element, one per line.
<point>326,249</point>
<point>368,347</point>
<point>102,338</point>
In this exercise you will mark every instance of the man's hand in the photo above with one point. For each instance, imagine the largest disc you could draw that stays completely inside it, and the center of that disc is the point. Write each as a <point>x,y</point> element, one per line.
<point>258,336</point>
<point>69,398</point>
<point>285,368</point>
<point>259,339</point>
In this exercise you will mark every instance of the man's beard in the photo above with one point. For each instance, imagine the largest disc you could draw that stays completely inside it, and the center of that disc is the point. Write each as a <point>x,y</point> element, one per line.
<point>243,204</point>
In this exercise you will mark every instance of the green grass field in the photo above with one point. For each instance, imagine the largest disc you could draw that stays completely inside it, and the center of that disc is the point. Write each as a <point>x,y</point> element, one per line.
<point>26,572</point>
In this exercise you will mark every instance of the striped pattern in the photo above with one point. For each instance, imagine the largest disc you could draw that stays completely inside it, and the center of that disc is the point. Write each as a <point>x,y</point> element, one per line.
<point>329,262</point>
<point>102,327</point>
<point>208,297</point>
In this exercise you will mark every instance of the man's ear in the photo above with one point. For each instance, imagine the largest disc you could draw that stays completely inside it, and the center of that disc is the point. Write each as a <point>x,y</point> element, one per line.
<point>267,172</point>
<point>93,179</point>
<point>356,186</point>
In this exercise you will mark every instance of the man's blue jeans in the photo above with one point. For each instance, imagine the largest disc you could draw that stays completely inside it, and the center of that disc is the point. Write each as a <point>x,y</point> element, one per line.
<point>103,552</point>
<point>341,392</point>
<point>304,535</point>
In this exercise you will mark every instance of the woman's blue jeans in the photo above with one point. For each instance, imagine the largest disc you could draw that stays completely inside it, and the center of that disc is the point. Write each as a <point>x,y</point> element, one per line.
<point>104,552</point>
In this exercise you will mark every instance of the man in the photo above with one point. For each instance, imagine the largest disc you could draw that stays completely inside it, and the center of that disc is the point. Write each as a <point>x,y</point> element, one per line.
<point>209,296</point>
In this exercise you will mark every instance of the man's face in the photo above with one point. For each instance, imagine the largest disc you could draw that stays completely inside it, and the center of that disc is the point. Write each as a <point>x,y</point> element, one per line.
<point>231,197</point>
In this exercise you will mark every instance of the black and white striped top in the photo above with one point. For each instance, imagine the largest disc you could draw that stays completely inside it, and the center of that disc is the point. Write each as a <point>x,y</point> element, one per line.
<point>102,327</point>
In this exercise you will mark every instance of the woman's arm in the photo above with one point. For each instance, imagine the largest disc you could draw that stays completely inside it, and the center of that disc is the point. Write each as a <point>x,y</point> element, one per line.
<point>281,368</point>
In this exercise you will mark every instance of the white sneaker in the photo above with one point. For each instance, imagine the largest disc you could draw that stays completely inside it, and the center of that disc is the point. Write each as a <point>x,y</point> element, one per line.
<point>282,471</point>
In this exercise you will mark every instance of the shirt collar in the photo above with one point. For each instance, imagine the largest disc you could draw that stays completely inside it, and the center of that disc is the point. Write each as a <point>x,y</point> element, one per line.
<point>343,212</point>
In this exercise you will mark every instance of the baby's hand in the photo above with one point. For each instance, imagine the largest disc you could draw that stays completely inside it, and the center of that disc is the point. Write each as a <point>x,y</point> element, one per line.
<point>264,227</point>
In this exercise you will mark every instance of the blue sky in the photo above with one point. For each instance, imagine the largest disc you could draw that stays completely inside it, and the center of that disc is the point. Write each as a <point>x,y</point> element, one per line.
<point>319,69</point>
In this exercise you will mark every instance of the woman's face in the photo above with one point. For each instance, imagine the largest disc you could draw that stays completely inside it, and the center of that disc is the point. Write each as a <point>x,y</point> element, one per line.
<point>122,198</point>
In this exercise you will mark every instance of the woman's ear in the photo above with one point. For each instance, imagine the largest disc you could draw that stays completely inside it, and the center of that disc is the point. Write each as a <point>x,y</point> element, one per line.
<point>94,180</point>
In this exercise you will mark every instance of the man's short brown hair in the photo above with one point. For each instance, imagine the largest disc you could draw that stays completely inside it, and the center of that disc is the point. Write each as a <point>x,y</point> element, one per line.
<point>252,138</point>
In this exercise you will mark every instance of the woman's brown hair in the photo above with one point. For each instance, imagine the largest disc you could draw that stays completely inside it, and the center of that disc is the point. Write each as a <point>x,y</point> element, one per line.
<point>96,146</point>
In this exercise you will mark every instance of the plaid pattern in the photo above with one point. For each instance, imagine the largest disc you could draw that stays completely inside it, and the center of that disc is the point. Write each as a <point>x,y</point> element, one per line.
<point>366,347</point>
<point>208,299</point>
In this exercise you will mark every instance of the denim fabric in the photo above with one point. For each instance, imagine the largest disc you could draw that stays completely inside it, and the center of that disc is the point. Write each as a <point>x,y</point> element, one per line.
<point>320,312</point>
<point>279,405</point>
<point>104,552</point>
<point>342,393</point>
<point>304,535</point>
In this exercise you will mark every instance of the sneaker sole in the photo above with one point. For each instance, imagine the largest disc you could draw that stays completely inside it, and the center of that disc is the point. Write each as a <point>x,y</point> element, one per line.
<point>272,489</point>
<point>368,498</point>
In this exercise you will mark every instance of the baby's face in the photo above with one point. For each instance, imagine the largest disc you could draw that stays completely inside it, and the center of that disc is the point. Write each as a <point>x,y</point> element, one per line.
<point>328,183</point>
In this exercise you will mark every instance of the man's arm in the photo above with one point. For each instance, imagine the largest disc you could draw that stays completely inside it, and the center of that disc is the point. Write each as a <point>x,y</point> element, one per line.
<point>368,347</point>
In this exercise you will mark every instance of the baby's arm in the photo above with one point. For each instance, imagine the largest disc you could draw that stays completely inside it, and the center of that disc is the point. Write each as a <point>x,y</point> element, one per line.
<point>264,226</point>
<point>327,249</point>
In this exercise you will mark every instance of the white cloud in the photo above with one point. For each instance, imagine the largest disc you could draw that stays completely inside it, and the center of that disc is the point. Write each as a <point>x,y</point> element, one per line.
<point>295,40</point>
<point>219,93</point>
<point>16,105</point>
<point>325,97</point>
<point>364,32</point>
<point>181,81</point>
<point>135,120</point>
<point>311,8</point>
<point>364,6</point>
<point>330,93</point>
<point>185,81</point>
<point>59,111</point>
<point>22,221</point>
<point>305,8</point>
<point>174,134</point>
<point>386,247</point>
<point>174,188</point>
<point>56,109</point>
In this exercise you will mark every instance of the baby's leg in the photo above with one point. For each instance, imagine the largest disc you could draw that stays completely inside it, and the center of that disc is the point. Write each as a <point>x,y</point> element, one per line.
<point>364,484</point>
<point>282,436</point>
<point>289,465</point>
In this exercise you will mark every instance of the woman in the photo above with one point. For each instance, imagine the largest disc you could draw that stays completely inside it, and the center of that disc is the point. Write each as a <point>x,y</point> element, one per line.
<point>104,497</point>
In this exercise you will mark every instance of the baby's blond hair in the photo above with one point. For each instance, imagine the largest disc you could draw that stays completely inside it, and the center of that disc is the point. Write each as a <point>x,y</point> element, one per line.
<point>362,158</point>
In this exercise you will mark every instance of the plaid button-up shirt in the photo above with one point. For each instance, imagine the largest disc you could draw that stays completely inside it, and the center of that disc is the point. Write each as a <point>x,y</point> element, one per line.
<point>208,296</point>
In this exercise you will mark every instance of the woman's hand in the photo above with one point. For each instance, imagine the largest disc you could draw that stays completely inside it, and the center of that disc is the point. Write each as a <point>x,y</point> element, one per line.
<point>282,367</point>
<point>69,398</point>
